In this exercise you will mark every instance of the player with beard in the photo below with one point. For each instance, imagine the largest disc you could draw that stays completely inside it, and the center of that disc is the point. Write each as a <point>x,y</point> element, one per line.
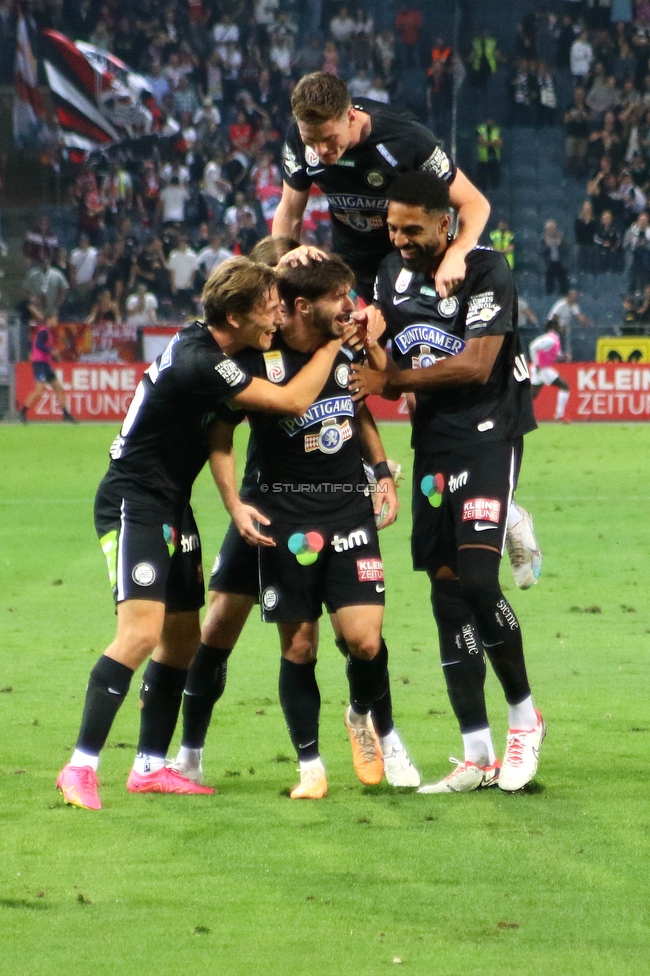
<point>353,150</point>
<point>145,524</point>
<point>323,544</point>
<point>461,356</point>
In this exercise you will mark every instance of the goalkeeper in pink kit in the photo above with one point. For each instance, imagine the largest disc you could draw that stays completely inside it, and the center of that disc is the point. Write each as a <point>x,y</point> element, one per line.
<point>545,351</point>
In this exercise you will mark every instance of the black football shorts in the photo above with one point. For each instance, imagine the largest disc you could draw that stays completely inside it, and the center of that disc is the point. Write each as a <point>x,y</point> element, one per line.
<point>151,554</point>
<point>235,569</point>
<point>338,564</point>
<point>462,498</point>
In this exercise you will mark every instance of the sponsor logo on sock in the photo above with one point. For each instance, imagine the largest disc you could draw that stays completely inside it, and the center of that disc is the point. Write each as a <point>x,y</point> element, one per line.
<point>506,610</point>
<point>470,640</point>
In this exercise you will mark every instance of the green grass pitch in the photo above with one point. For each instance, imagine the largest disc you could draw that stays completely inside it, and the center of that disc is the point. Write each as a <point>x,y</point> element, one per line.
<point>553,880</point>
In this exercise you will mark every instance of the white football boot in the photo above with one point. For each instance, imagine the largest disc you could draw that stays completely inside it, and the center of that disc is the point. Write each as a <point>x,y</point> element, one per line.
<point>522,756</point>
<point>523,550</point>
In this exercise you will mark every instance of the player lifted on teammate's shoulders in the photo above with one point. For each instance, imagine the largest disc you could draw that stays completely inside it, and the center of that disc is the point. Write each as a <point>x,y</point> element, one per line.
<point>461,356</point>
<point>353,150</point>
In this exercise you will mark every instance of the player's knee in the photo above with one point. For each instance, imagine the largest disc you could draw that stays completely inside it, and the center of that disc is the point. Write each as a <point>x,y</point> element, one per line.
<point>224,620</point>
<point>478,571</point>
<point>301,650</point>
<point>365,647</point>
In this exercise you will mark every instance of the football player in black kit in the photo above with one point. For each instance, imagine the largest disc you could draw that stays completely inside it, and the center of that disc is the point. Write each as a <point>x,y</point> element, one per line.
<point>462,357</point>
<point>323,544</point>
<point>353,150</point>
<point>145,523</point>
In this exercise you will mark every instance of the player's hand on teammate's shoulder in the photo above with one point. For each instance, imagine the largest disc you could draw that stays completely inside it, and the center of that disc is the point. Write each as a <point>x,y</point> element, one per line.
<point>301,255</point>
<point>245,516</point>
<point>451,272</point>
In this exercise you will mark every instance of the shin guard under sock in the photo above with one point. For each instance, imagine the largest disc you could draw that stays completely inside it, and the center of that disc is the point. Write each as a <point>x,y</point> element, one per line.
<point>205,684</point>
<point>107,688</point>
<point>300,701</point>
<point>368,680</point>
<point>496,622</point>
<point>463,661</point>
<point>160,694</point>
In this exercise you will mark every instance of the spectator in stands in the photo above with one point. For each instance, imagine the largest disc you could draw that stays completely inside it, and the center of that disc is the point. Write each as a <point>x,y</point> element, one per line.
<point>159,82</point>
<point>46,288</point>
<point>247,235</point>
<point>90,206</point>
<point>524,93</point>
<point>603,96</point>
<point>105,309</point>
<point>150,269</point>
<point>141,307</point>
<point>377,91</point>
<point>147,195</point>
<point>171,206</point>
<point>581,57</point>
<point>215,187</point>
<point>210,257</point>
<point>241,135</point>
<point>585,227</point>
<point>117,192</point>
<point>526,313</point>
<point>113,270</point>
<point>640,171</point>
<point>604,195</point>
<point>488,152</point>
<point>233,215</point>
<point>642,310</point>
<point>563,313</point>
<point>342,29</point>
<point>577,121</point>
<point>83,262</point>
<point>546,105</point>
<point>408,25</point>
<point>503,241</point>
<point>359,84</point>
<point>636,247</point>
<point>483,59</point>
<point>308,58</point>
<point>41,243</point>
<point>439,97</point>
<point>634,199</point>
<point>554,254</point>
<point>384,49</point>
<point>183,264</point>
<point>330,59</point>
<point>607,241</point>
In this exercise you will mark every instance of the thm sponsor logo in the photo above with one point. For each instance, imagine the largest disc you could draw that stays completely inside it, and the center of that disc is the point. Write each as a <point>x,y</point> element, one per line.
<point>342,543</point>
<point>457,481</point>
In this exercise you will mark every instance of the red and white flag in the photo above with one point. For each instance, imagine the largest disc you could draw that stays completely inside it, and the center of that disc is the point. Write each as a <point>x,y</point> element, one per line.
<point>29,110</point>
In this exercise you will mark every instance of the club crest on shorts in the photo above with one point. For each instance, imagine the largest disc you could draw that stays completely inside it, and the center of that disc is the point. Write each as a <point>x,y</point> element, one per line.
<point>270,598</point>
<point>143,574</point>
<point>274,366</point>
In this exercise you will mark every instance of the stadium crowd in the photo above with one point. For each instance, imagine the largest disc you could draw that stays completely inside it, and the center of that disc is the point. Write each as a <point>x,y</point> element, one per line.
<point>155,216</point>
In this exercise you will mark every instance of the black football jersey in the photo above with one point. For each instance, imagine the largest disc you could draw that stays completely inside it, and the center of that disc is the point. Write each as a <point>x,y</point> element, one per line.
<point>356,185</point>
<point>309,466</point>
<point>163,443</point>
<point>424,328</point>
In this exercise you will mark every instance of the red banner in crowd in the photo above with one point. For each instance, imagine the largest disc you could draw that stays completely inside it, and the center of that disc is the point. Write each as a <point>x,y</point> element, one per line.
<point>93,391</point>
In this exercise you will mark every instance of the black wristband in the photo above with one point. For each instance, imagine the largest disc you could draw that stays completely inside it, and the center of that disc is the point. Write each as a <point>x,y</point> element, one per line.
<point>382,470</point>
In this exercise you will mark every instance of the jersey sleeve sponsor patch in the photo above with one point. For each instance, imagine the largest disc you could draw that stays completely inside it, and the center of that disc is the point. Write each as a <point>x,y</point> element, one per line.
<point>274,366</point>
<point>291,161</point>
<point>438,162</point>
<point>481,510</point>
<point>481,310</point>
<point>230,372</point>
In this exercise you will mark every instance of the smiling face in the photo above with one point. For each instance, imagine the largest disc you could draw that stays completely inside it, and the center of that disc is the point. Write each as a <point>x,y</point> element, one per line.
<point>259,326</point>
<point>419,235</point>
<point>329,139</point>
<point>331,313</point>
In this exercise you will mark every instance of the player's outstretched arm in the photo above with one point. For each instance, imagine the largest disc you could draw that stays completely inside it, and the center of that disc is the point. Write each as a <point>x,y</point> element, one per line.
<point>472,365</point>
<point>473,212</point>
<point>222,466</point>
<point>299,393</point>
<point>385,501</point>
<point>287,220</point>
